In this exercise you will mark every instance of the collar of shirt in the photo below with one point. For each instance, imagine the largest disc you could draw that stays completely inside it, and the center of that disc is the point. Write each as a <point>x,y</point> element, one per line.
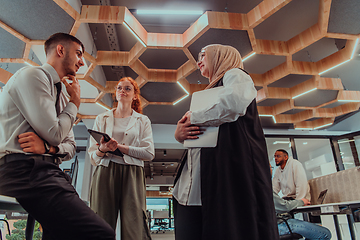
<point>52,71</point>
<point>286,165</point>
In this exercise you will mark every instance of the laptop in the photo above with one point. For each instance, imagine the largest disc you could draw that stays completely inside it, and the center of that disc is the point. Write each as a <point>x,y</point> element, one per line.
<point>321,197</point>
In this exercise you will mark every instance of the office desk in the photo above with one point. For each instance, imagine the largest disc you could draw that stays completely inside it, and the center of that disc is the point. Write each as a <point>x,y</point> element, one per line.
<point>10,204</point>
<point>334,209</point>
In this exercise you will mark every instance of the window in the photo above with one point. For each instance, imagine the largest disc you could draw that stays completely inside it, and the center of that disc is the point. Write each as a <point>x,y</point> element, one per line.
<point>316,156</point>
<point>346,153</point>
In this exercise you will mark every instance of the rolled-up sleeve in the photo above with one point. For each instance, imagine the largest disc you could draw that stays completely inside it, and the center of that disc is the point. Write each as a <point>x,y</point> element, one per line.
<point>234,98</point>
<point>95,159</point>
<point>68,146</point>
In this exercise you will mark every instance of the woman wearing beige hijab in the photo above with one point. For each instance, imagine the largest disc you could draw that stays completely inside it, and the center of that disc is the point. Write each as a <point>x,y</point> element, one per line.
<point>225,192</point>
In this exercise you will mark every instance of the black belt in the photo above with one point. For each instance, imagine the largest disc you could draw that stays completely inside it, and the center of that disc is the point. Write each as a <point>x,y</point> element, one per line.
<point>21,156</point>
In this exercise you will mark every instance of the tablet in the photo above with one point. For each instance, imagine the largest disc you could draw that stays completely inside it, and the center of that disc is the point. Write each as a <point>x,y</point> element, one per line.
<point>98,135</point>
<point>201,100</point>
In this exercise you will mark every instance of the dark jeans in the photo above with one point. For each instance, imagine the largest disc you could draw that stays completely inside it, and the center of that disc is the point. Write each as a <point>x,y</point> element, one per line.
<point>46,193</point>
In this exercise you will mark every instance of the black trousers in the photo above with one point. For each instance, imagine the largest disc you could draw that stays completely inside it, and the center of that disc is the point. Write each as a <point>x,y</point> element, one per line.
<point>188,222</point>
<point>46,193</point>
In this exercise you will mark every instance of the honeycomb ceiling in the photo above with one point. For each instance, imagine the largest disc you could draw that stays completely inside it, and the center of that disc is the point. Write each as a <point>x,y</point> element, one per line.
<point>287,47</point>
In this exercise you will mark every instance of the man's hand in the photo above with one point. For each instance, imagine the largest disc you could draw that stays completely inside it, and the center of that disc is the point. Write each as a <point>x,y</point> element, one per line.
<point>31,143</point>
<point>73,89</point>
<point>306,202</point>
<point>184,129</point>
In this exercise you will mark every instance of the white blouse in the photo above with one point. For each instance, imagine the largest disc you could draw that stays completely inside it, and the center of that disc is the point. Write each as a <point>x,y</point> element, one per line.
<point>137,135</point>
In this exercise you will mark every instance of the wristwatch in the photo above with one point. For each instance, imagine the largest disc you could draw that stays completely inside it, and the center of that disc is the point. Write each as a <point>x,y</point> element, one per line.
<point>47,147</point>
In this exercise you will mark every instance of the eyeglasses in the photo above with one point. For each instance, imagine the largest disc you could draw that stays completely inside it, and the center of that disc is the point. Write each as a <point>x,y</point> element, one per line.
<point>126,88</point>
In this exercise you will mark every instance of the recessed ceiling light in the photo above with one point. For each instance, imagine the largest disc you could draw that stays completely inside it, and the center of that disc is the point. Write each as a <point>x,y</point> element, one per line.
<point>304,93</point>
<point>183,88</point>
<point>246,58</point>
<point>168,12</point>
<point>180,100</point>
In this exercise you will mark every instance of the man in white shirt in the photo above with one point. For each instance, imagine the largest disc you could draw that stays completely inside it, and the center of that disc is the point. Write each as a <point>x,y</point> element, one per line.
<point>36,134</point>
<point>290,177</point>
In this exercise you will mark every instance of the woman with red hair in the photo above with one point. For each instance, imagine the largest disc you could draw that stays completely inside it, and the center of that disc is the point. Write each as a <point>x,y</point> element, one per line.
<point>119,182</point>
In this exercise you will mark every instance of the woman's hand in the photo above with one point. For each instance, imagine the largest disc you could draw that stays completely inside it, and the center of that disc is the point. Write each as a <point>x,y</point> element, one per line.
<point>184,129</point>
<point>109,146</point>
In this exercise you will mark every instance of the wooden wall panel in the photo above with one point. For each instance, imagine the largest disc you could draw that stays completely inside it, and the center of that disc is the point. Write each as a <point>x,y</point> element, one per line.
<point>305,39</point>
<point>112,58</point>
<point>135,25</point>
<point>304,68</point>
<point>283,106</point>
<point>165,40</point>
<point>275,73</point>
<point>196,30</point>
<point>223,20</point>
<point>269,47</point>
<point>185,70</point>
<point>102,14</point>
<point>140,69</point>
<point>4,76</point>
<point>135,52</point>
<point>162,75</point>
<point>324,13</point>
<point>265,9</point>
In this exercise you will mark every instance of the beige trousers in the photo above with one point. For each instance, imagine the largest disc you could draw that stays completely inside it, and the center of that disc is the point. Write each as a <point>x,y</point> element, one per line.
<point>121,188</point>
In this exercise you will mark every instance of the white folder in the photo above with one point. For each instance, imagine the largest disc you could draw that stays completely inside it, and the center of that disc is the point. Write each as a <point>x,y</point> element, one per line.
<point>201,100</point>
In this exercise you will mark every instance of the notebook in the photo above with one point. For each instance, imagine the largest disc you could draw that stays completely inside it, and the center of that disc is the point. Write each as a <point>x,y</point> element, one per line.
<point>201,100</point>
<point>321,197</point>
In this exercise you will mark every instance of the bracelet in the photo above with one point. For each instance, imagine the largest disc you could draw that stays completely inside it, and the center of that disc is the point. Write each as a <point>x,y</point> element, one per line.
<point>100,150</point>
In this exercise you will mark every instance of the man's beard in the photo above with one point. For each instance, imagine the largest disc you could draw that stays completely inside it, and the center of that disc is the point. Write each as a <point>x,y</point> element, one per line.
<point>279,163</point>
<point>67,64</point>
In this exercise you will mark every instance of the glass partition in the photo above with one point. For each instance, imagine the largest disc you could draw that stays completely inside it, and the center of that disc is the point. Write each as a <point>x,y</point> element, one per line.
<point>346,153</point>
<point>316,156</point>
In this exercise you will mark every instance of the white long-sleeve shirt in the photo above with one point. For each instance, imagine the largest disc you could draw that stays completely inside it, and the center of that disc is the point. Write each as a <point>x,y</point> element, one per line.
<point>234,98</point>
<point>27,104</point>
<point>291,180</point>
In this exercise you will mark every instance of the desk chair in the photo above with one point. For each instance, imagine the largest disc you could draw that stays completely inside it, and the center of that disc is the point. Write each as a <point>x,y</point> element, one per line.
<point>291,235</point>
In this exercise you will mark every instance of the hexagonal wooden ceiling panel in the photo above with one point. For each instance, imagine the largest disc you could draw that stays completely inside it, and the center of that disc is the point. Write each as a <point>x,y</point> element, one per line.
<point>291,89</point>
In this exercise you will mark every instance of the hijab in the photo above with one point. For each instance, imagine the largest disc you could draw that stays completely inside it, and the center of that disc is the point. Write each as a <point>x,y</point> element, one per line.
<point>220,59</point>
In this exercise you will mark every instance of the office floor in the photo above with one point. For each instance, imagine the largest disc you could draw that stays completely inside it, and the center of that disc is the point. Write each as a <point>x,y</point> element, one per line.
<point>168,235</point>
